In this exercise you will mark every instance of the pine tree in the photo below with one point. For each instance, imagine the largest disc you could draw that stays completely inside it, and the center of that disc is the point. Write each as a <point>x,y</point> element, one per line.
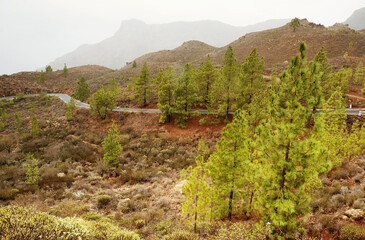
<point>359,74</point>
<point>324,67</point>
<point>41,77</point>
<point>196,205</point>
<point>334,131</point>
<point>31,170</point>
<point>17,122</point>
<point>48,69</point>
<point>112,147</point>
<point>185,96</point>
<point>65,71</point>
<point>70,106</point>
<point>292,153</point>
<point>82,90</point>
<point>166,88</point>
<point>114,87</point>
<point>251,79</point>
<point>301,81</point>
<point>295,23</point>
<point>338,80</point>
<point>228,83</point>
<point>206,77</point>
<point>102,102</point>
<point>229,166</point>
<point>142,86</point>
<point>2,126</point>
<point>34,128</point>
<point>4,116</point>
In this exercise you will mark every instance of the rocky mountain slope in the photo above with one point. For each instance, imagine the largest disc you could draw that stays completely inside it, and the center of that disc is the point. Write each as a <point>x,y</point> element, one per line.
<point>344,46</point>
<point>357,19</point>
<point>135,38</point>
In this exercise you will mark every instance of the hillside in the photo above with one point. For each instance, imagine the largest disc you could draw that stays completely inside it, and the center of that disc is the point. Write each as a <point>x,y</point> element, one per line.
<point>277,46</point>
<point>357,19</point>
<point>135,38</point>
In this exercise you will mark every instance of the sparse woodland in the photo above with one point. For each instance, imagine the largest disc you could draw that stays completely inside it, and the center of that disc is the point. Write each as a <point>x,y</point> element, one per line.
<point>279,169</point>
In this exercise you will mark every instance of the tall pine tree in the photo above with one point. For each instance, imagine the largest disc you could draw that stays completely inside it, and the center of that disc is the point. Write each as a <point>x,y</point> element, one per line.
<point>196,206</point>
<point>206,77</point>
<point>82,90</point>
<point>291,151</point>
<point>112,147</point>
<point>228,83</point>
<point>142,86</point>
<point>185,95</point>
<point>251,79</point>
<point>166,86</point>
<point>359,75</point>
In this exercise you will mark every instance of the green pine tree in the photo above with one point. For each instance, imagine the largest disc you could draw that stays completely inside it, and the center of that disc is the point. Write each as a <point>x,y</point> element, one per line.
<point>41,77</point>
<point>166,87</point>
<point>229,167</point>
<point>251,79</point>
<point>18,122</point>
<point>114,87</point>
<point>48,69</point>
<point>292,153</point>
<point>142,85</point>
<point>338,80</point>
<point>102,102</point>
<point>34,127</point>
<point>82,90</point>
<point>65,71</point>
<point>206,77</point>
<point>295,23</point>
<point>185,95</point>
<point>31,170</point>
<point>112,147</point>
<point>227,85</point>
<point>196,205</point>
<point>359,74</point>
<point>335,131</point>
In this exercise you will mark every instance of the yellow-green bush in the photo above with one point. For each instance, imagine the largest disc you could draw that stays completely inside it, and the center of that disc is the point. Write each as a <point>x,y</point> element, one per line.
<point>352,232</point>
<point>181,235</point>
<point>21,223</point>
<point>242,231</point>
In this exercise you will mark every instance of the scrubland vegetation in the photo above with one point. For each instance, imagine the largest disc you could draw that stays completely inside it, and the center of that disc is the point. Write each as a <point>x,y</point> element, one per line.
<point>278,170</point>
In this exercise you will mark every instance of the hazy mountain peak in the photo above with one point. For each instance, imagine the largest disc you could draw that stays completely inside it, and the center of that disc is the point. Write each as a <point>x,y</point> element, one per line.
<point>135,38</point>
<point>357,19</point>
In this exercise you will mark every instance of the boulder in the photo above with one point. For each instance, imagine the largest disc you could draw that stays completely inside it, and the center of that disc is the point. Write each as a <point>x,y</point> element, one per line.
<point>355,214</point>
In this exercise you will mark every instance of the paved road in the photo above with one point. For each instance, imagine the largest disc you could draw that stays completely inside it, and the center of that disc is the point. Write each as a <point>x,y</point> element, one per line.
<point>66,98</point>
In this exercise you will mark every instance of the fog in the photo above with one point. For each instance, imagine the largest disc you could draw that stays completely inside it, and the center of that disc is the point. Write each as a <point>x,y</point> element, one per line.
<point>35,32</point>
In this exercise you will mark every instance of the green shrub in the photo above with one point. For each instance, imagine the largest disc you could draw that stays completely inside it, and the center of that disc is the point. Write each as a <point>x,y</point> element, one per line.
<point>352,232</point>
<point>2,126</point>
<point>242,231</point>
<point>31,170</point>
<point>209,121</point>
<point>21,223</point>
<point>181,235</point>
<point>140,223</point>
<point>103,200</point>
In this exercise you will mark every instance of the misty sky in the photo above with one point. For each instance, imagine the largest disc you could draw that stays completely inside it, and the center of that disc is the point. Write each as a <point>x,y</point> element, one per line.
<point>35,32</point>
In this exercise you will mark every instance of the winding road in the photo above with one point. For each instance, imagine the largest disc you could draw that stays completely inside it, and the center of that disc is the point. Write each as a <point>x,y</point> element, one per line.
<point>66,98</point>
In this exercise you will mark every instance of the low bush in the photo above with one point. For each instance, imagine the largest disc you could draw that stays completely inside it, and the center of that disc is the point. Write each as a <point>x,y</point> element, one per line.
<point>352,232</point>
<point>103,200</point>
<point>242,231</point>
<point>181,235</point>
<point>21,223</point>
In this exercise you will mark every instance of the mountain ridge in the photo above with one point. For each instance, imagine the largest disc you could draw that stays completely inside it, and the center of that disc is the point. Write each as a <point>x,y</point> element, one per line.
<point>135,38</point>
